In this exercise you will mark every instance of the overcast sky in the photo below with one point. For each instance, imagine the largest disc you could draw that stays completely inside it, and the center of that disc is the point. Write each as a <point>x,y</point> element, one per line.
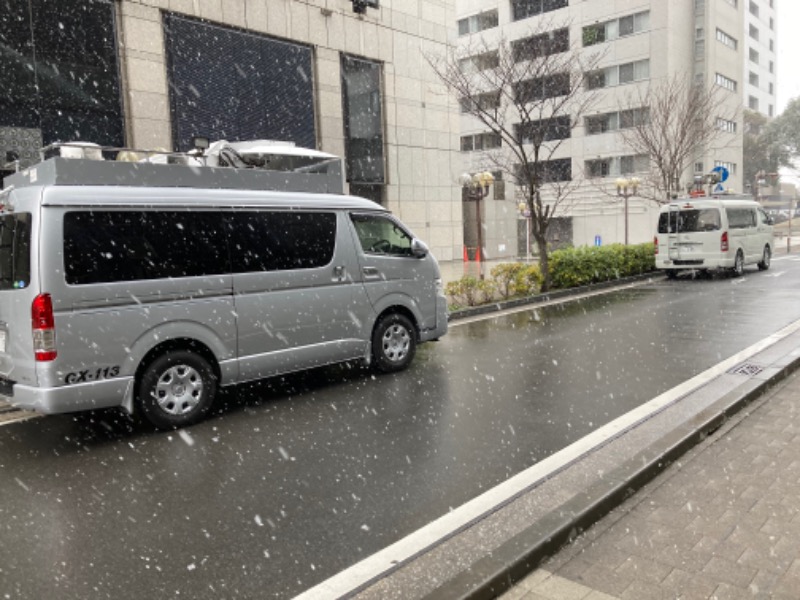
<point>788,18</point>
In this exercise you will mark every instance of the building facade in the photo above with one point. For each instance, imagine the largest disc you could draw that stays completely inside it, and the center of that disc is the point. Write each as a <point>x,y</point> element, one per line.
<point>154,74</point>
<point>760,65</point>
<point>641,43</point>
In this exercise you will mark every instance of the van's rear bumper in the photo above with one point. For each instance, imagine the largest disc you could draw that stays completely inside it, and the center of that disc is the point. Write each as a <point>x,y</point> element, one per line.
<point>70,398</point>
<point>697,263</point>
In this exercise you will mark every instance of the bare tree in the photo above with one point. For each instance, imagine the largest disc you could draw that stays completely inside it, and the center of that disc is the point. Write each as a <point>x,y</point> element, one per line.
<point>680,120</point>
<point>529,94</point>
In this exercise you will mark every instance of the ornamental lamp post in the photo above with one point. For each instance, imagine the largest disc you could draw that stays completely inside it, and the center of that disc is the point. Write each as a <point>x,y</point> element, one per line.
<point>625,189</point>
<point>522,207</point>
<point>475,188</point>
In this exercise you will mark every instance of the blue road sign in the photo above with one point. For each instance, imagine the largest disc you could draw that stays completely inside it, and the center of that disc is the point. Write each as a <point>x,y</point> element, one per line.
<point>723,173</point>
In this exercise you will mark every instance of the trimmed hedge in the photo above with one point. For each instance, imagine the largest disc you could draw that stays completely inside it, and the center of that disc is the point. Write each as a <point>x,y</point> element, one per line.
<point>569,267</point>
<point>574,267</point>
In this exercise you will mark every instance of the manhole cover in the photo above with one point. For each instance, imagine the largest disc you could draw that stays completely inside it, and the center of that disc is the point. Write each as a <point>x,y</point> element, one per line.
<point>748,369</point>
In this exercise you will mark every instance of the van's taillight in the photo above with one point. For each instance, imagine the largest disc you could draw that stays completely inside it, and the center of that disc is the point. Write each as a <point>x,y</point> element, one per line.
<point>723,244</point>
<point>655,243</point>
<point>44,328</point>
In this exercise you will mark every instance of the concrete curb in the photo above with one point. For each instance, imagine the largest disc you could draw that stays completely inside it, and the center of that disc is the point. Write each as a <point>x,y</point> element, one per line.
<point>465,313</point>
<point>516,558</point>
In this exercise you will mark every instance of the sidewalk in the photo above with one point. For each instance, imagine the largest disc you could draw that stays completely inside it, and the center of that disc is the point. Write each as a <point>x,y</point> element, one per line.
<point>723,522</point>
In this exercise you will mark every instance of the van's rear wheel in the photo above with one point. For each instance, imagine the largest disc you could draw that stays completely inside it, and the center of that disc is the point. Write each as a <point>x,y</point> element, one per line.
<point>176,389</point>
<point>765,261</point>
<point>738,264</point>
<point>394,343</point>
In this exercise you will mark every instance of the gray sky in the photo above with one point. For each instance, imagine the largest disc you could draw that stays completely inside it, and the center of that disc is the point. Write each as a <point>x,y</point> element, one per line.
<point>788,55</point>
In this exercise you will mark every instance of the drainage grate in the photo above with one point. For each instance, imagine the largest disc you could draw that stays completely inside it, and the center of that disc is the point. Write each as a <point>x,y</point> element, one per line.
<point>748,369</point>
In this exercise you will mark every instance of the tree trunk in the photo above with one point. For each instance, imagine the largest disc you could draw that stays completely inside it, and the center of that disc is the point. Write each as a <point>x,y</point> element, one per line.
<point>544,260</point>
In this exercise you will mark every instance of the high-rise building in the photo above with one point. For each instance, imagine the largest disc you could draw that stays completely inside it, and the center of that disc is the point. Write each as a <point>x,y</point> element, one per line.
<point>760,33</point>
<point>641,43</point>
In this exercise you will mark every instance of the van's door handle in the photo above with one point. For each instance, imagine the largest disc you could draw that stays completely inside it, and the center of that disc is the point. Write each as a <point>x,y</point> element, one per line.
<point>338,272</point>
<point>370,272</point>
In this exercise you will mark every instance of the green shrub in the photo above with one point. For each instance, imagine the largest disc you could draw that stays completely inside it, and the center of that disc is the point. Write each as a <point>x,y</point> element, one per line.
<point>574,267</point>
<point>569,267</point>
<point>505,276</point>
<point>516,279</point>
<point>530,281</point>
<point>470,291</point>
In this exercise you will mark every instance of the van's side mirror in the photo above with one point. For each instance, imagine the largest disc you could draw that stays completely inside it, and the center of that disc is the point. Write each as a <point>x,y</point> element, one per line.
<point>419,249</point>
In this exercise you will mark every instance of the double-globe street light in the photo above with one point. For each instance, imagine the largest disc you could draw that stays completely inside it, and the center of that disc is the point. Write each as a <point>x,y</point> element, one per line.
<point>625,189</point>
<point>474,189</point>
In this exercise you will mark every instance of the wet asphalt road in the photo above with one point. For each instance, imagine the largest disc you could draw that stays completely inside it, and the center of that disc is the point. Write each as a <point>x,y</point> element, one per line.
<point>301,477</point>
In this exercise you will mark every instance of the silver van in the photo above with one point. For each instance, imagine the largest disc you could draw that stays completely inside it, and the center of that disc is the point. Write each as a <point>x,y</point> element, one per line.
<point>149,286</point>
<point>713,234</point>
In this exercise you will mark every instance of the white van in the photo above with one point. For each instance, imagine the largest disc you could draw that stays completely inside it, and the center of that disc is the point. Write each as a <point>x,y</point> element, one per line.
<point>149,286</point>
<point>706,234</point>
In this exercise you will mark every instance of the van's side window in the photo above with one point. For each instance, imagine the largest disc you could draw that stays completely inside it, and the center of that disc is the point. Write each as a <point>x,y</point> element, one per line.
<point>381,235</point>
<point>108,246</point>
<point>281,240</point>
<point>741,218</point>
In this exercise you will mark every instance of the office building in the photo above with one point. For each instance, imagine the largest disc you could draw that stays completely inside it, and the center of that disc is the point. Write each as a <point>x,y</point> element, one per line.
<point>760,36</point>
<point>641,43</point>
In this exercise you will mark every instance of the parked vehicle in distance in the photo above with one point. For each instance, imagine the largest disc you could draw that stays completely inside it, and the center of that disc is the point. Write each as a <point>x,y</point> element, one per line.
<point>708,233</point>
<point>148,286</point>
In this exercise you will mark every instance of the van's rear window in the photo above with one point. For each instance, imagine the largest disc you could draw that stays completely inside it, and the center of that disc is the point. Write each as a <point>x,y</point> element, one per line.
<point>15,251</point>
<point>689,221</point>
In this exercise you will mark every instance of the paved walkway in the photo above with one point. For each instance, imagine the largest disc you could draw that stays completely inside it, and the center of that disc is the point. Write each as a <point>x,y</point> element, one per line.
<point>722,523</point>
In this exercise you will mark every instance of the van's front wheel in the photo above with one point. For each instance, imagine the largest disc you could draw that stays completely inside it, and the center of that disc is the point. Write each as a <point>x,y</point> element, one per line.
<point>176,389</point>
<point>764,264</point>
<point>394,343</point>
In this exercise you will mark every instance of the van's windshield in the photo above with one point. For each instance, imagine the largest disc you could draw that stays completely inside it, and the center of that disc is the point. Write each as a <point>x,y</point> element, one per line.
<point>689,221</point>
<point>15,251</point>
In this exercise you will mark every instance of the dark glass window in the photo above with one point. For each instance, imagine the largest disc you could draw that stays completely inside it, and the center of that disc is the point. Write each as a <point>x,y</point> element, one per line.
<point>280,241</point>
<point>690,221</point>
<point>547,171</point>
<point>381,235</point>
<point>102,247</point>
<point>235,85</point>
<point>543,44</point>
<point>15,251</point>
<point>556,128</point>
<point>542,88</point>
<point>522,9</point>
<point>370,191</point>
<point>59,74</point>
<point>363,120</point>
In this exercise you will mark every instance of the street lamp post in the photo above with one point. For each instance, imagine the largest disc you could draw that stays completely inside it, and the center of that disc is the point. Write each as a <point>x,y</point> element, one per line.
<point>625,189</point>
<point>476,188</point>
<point>526,214</point>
